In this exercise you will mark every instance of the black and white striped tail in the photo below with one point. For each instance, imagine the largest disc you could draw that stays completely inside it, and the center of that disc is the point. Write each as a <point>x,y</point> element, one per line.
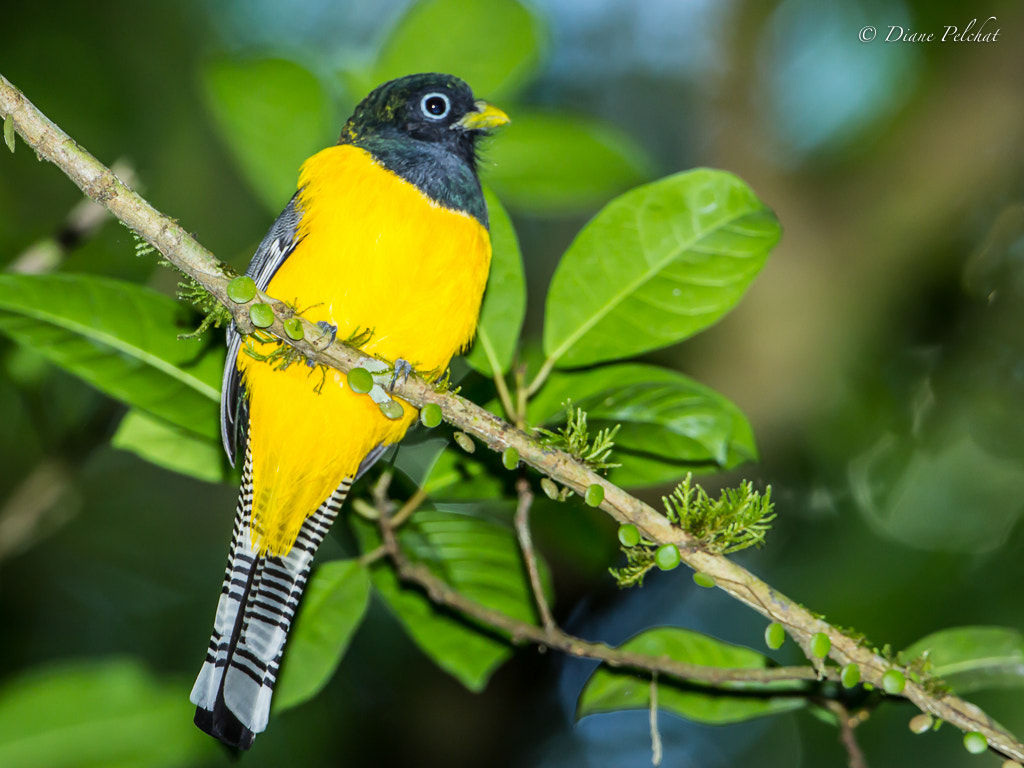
<point>256,608</point>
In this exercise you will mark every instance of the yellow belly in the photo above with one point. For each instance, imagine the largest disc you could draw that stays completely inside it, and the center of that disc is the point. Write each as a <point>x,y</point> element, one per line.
<point>377,254</point>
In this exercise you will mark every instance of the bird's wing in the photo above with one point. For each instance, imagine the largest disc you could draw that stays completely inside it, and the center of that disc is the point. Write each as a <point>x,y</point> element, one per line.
<point>278,244</point>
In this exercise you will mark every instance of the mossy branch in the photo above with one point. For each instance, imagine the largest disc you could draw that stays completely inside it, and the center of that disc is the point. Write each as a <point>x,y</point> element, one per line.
<point>50,143</point>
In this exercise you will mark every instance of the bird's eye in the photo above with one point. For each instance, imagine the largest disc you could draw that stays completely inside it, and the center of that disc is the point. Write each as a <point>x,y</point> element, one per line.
<point>435,106</point>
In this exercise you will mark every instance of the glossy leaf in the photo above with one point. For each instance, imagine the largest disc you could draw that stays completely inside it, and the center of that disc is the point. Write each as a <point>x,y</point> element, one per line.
<point>656,265</point>
<point>473,548</point>
<point>670,424</point>
<point>331,611</point>
<point>973,658</point>
<point>610,690</point>
<point>504,306</point>
<point>171,447</point>
<point>100,713</point>
<point>458,476</point>
<point>558,164</point>
<point>272,114</point>
<point>121,339</point>
<point>494,46</point>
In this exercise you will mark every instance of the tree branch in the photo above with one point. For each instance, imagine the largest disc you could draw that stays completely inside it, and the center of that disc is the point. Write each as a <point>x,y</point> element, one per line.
<point>181,250</point>
<point>519,631</point>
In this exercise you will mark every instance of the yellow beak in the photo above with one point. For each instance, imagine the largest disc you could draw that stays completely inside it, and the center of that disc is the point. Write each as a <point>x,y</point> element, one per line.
<point>483,118</point>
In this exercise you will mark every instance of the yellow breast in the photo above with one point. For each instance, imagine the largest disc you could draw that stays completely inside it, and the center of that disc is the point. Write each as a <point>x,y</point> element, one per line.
<point>375,254</point>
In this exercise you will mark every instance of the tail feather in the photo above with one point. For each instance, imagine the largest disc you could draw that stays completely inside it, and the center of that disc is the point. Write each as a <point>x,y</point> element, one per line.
<point>257,604</point>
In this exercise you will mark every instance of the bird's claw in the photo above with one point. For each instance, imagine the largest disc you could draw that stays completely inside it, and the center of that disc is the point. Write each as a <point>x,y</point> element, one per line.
<point>330,333</point>
<point>402,369</point>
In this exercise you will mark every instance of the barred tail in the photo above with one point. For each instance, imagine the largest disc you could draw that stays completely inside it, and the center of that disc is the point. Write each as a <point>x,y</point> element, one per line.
<point>257,604</point>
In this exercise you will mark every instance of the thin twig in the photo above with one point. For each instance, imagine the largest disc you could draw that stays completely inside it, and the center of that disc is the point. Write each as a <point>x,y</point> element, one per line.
<point>522,524</point>
<point>655,733</point>
<point>51,143</point>
<point>409,507</point>
<point>847,737</point>
<point>371,557</point>
<point>519,631</point>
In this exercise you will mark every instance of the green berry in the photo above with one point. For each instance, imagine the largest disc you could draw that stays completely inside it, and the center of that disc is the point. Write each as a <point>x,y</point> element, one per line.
<point>850,675</point>
<point>465,442</point>
<point>510,458</point>
<point>893,682</point>
<point>594,495</point>
<point>242,289</point>
<point>820,645</point>
<point>262,315</point>
<point>703,580</point>
<point>774,636</point>
<point>360,380</point>
<point>550,489</point>
<point>293,327</point>
<point>430,416</point>
<point>667,557</point>
<point>392,409</point>
<point>921,723</point>
<point>629,535</point>
<point>975,742</point>
<point>9,132</point>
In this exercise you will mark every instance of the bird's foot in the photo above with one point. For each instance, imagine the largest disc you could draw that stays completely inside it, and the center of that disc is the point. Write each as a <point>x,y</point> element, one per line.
<point>402,369</point>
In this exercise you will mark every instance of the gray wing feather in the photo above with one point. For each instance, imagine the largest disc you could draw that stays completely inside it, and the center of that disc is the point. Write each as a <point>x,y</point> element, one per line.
<point>278,244</point>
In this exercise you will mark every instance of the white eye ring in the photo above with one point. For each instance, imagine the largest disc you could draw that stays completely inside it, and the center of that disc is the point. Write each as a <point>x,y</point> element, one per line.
<point>427,108</point>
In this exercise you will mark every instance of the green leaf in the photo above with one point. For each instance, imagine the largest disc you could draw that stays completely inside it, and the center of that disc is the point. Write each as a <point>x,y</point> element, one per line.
<point>504,306</point>
<point>106,713</point>
<point>610,690</point>
<point>671,424</point>
<point>272,114</point>
<point>334,605</point>
<point>171,447</point>
<point>458,476</point>
<point>971,659</point>
<point>557,164</point>
<point>121,339</point>
<point>493,46</point>
<point>472,548</point>
<point>656,265</point>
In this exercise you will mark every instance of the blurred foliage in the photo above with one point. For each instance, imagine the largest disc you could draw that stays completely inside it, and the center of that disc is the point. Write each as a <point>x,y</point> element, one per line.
<point>878,359</point>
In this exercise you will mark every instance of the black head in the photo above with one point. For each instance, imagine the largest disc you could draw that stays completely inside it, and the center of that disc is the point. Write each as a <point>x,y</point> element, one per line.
<point>432,108</point>
<point>424,128</point>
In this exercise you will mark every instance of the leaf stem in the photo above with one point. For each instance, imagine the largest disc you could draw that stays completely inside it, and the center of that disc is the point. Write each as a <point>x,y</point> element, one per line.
<point>541,377</point>
<point>499,379</point>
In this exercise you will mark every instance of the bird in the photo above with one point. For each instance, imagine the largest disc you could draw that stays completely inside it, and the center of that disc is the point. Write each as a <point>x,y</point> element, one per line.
<point>385,241</point>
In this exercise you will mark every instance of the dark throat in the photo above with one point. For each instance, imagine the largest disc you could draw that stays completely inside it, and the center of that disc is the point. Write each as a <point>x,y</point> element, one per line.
<point>446,173</point>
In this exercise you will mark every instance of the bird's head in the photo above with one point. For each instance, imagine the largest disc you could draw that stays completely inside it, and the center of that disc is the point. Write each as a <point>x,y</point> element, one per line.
<point>433,108</point>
